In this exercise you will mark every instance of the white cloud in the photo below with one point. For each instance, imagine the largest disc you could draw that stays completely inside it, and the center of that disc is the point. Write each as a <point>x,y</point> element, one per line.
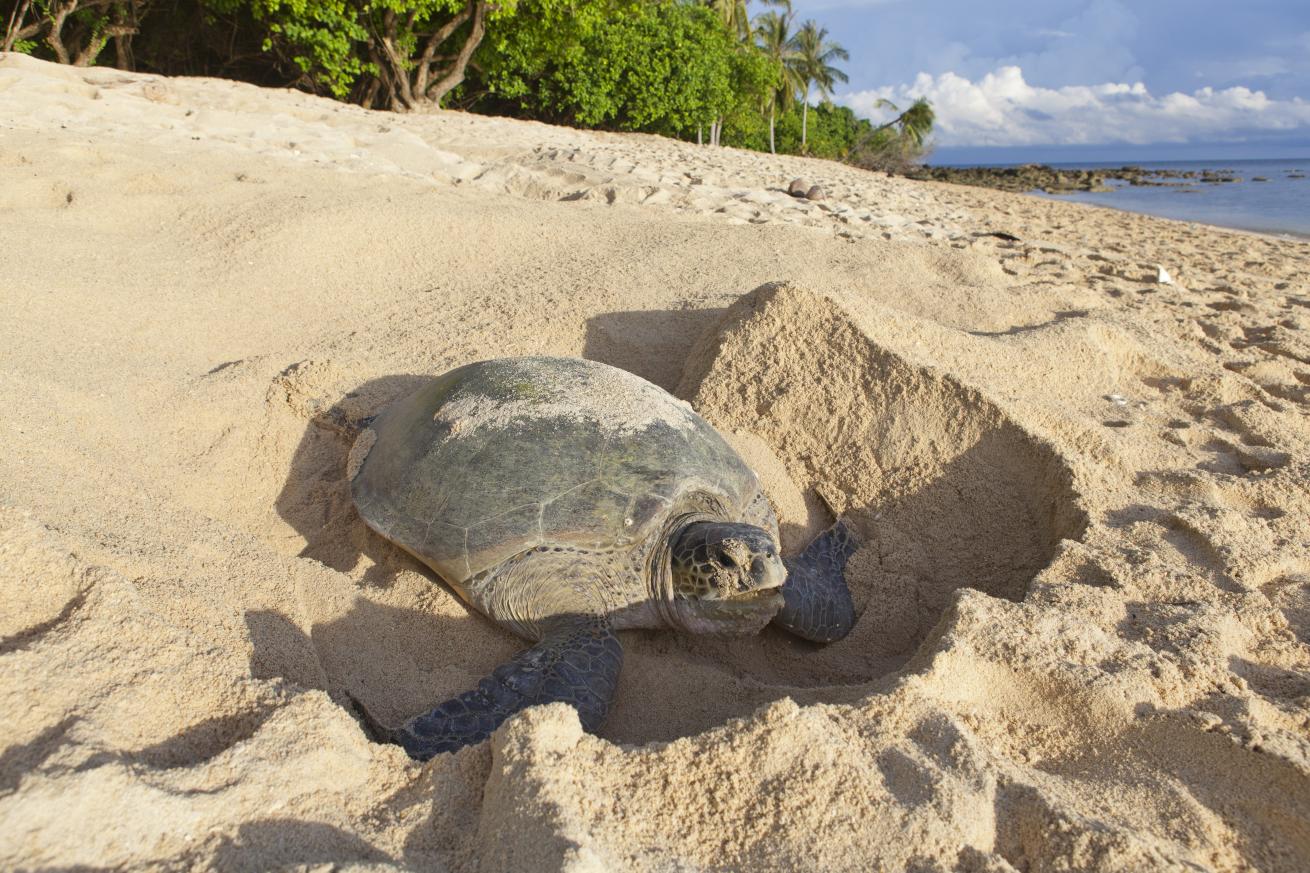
<point>1002,109</point>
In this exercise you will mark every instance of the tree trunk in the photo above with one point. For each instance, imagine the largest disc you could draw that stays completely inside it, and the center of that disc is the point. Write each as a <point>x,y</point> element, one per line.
<point>54,39</point>
<point>772,110</point>
<point>455,75</point>
<point>97,42</point>
<point>805,113</point>
<point>14,31</point>
<point>897,120</point>
<point>408,81</point>
<point>434,42</point>
<point>52,23</point>
<point>123,41</point>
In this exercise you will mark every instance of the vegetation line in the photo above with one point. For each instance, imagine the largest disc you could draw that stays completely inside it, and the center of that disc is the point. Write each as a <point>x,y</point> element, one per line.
<point>692,69</point>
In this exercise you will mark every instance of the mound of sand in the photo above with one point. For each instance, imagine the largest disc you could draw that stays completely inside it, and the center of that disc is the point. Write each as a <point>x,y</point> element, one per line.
<point>1084,584</point>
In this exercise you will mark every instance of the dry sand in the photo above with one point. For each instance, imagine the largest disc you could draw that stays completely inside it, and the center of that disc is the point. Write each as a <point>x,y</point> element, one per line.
<point>1084,598</point>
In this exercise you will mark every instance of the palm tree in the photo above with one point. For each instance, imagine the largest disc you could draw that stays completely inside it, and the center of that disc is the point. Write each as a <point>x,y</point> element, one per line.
<point>734,16</point>
<point>815,66</point>
<point>773,30</point>
<point>881,148</point>
<point>914,124</point>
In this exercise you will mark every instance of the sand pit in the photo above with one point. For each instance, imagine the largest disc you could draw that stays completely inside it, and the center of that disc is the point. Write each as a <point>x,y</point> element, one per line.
<point>1084,593</point>
<point>947,490</point>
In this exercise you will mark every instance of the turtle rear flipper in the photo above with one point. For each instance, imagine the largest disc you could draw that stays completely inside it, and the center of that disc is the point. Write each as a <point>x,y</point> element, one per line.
<point>817,603</point>
<point>577,662</point>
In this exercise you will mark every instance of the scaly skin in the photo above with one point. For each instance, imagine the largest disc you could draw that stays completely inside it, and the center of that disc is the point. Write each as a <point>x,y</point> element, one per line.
<point>572,600</point>
<point>817,602</point>
<point>577,662</point>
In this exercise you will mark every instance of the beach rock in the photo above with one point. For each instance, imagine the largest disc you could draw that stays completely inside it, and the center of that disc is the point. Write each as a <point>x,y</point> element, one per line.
<point>798,188</point>
<point>1054,180</point>
<point>815,193</point>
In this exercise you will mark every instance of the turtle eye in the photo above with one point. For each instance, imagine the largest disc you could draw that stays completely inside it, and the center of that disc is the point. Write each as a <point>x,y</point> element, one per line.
<point>727,560</point>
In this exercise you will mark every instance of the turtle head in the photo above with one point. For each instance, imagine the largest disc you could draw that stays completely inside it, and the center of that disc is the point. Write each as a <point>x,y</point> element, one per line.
<point>727,578</point>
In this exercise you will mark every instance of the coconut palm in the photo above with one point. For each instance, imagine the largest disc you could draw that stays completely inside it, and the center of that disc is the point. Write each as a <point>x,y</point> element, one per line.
<point>914,124</point>
<point>899,142</point>
<point>773,32</point>
<point>734,16</point>
<point>815,67</point>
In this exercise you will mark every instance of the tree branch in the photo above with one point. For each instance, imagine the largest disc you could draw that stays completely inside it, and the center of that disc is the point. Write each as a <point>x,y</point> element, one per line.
<point>53,38</point>
<point>14,30</point>
<point>29,31</point>
<point>455,75</point>
<point>399,75</point>
<point>434,42</point>
<point>96,44</point>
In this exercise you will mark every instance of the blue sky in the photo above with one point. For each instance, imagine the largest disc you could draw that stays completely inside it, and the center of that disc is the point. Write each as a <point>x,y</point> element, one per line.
<point>1150,79</point>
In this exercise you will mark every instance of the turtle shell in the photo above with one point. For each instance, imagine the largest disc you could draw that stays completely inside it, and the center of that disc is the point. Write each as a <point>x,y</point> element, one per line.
<point>498,457</point>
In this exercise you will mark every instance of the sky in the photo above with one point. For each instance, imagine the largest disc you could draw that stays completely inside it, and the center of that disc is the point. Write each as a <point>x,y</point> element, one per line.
<point>1083,79</point>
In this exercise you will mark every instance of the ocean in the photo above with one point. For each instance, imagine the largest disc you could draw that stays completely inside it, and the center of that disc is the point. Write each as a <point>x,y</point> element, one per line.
<point>1279,206</point>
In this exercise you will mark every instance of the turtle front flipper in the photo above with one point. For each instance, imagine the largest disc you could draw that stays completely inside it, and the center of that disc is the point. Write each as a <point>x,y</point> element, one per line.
<point>577,662</point>
<point>817,604</point>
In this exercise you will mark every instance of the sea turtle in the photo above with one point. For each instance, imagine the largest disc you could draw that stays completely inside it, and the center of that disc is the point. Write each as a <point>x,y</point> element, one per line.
<point>566,499</point>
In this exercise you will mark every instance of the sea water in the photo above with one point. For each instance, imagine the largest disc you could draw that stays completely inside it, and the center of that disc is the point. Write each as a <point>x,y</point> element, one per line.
<point>1279,206</point>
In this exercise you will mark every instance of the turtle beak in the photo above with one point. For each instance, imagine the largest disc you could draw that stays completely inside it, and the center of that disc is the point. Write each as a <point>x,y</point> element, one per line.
<point>767,571</point>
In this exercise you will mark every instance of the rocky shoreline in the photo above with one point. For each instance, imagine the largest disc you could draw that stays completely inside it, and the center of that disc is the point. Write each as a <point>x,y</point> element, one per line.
<point>1052,180</point>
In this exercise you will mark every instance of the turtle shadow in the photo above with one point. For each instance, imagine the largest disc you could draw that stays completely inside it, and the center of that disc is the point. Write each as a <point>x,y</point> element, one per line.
<point>651,343</point>
<point>283,842</point>
<point>396,661</point>
<point>315,497</point>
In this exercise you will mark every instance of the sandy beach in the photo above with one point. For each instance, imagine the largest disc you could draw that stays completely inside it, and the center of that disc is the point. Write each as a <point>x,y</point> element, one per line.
<point>1075,442</point>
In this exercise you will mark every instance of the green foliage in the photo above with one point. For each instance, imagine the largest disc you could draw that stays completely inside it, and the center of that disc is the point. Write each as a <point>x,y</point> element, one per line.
<point>664,67</point>
<point>337,43</point>
<point>754,80</point>
<point>674,67</point>
<point>898,144</point>
<point>81,33</point>
<point>528,61</point>
<point>833,131</point>
<point>323,37</point>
